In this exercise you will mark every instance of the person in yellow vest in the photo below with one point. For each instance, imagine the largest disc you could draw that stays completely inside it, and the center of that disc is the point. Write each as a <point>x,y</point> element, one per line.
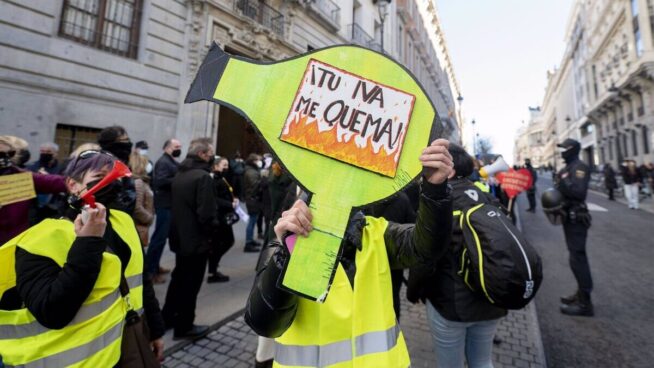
<point>69,289</point>
<point>355,326</point>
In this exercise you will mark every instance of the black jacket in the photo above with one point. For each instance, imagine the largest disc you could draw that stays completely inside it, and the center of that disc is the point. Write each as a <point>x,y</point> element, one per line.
<point>609,178</point>
<point>534,176</point>
<point>253,188</point>
<point>193,208</point>
<point>631,177</point>
<point>572,182</point>
<point>224,196</point>
<point>442,285</point>
<point>270,310</point>
<point>164,172</point>
<point>54,294</point>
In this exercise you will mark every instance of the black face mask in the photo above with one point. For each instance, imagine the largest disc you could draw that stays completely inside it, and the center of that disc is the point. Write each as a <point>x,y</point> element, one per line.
<point>120,150</point>
<point>570,154</point>
<point>5,159</point>
<point>108,194</point>
<point>45,158</point>
<point>23,157</point>
<point>176,153</point>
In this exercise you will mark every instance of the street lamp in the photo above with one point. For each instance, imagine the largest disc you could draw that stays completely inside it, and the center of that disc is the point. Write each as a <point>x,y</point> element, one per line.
<point>474,140</point>
<point>382,7</point>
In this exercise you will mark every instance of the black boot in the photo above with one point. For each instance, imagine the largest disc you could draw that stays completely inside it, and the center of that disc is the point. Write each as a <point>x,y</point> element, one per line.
<point>570,298</point>
<point>581,307</point>
<point>266,364</point>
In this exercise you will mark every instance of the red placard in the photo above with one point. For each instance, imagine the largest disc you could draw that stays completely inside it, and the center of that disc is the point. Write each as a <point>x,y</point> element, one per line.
<point>514,182</point>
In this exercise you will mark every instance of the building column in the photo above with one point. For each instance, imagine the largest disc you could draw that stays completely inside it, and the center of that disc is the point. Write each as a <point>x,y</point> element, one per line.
<point>644,26</point>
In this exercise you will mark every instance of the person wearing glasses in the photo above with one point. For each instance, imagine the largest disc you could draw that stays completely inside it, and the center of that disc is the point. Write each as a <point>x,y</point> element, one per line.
<point>14,217</point>
<point>77,285</point>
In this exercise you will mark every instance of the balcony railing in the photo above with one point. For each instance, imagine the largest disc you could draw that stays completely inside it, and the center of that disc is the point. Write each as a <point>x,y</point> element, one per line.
<point>360,37</point>
<point>328,11</point>
<point>263,14</point>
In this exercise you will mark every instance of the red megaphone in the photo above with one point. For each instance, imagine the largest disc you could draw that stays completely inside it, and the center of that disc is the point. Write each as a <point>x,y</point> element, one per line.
<point>119,170</point>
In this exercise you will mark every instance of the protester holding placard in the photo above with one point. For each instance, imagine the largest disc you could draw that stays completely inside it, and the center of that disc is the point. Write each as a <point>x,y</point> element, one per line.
<point>372,246</point>
<point>15,198</point>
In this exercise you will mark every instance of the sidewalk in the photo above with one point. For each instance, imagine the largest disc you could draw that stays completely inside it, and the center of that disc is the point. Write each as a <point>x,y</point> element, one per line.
<point>646,204</point>
<point>233,344</point>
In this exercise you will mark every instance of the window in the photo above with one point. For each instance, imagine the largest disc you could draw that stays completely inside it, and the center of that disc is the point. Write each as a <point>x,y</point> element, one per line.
<point>634,143</point>
<point>610,148</point>
<point>110,25</point>
<point>634,21</point>
<point>400,35</point>
<point>625,149</point>
<point>645,134</point>
<point>69,137</point>
<point>595,81</point>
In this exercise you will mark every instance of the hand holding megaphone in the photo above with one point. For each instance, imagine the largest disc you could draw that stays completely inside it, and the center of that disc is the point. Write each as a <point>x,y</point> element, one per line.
<point>92,221</point>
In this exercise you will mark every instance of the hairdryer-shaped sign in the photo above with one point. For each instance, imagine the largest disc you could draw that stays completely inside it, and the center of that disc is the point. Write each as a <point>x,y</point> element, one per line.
<point>348,123</point>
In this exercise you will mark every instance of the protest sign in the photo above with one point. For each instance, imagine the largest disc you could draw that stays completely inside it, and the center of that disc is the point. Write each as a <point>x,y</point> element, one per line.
<point>514,182</point>
<point>346,122</point>
<point>16,188</point>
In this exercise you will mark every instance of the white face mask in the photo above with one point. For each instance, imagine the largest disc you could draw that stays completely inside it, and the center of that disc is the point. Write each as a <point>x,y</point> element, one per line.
<point>148,168</point>
<point>143,152</point>
<point>259,164</point>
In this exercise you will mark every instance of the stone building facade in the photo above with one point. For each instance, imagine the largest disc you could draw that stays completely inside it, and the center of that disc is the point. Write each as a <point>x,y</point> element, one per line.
<point>71,67</point>
<point>602,94</point>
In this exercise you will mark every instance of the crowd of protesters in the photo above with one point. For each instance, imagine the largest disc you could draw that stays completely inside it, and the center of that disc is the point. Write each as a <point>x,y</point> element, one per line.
<point>192,204</point>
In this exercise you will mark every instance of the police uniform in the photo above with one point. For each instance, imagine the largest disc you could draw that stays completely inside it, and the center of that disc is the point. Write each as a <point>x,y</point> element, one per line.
<point>572,181</point>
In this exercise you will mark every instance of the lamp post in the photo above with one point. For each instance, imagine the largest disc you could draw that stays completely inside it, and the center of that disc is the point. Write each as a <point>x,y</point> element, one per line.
<point>474,140</point>
<point>382,7</point>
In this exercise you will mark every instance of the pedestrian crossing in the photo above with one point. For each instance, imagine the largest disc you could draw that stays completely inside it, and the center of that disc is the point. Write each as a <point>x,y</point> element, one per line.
<point>596,207</point>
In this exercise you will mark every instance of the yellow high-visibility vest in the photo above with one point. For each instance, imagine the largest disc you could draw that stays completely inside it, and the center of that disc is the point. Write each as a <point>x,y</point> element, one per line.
<point>93,337</point>
<point>353,328</point>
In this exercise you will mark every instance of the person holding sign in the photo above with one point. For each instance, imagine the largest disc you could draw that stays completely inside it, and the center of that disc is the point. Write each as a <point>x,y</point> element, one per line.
<point>17,188</point>
<point>356,323</point>
<point>72,289</point>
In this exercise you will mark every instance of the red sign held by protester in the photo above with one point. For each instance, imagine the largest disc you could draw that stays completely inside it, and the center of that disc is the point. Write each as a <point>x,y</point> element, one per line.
<point>514,182</point>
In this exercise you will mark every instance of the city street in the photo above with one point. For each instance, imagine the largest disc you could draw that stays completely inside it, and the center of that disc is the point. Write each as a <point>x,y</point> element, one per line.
<point>621,252</point>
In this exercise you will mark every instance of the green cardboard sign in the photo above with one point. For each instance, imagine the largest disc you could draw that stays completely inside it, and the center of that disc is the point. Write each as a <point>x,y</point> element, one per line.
<point>347,122</point>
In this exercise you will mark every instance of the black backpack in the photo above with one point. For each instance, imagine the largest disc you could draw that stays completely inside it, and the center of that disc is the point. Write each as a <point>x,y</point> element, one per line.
<point>497,262</point>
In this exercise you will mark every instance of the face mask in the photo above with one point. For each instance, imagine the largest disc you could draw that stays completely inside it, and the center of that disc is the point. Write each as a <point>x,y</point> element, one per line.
<point>176,153</point>
<point>5,159</point>
<point>107,194</point>
<point>259,164</point>
<point>45,158</point>
<point>120,150</point>
<point>5,162</point>
<point>569,154</point>
<point>23,157</point>
<point>148,168</point>
<point>143,152</point>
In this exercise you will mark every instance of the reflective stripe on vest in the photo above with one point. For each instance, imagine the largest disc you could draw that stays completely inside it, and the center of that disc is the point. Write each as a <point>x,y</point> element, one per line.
<point>353,328</point>
<point>78,354</point>
<point>337,352</point>
<point>93,337</point>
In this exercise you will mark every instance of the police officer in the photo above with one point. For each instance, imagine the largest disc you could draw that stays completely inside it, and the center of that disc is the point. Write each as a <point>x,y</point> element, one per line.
<point>572,182</point>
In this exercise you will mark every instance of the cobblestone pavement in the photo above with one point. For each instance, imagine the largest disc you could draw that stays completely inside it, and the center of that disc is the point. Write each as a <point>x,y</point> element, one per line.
<point>234,344</point>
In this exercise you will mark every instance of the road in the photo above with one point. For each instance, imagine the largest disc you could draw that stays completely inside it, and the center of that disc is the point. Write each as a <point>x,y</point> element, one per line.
<point>621,253</point>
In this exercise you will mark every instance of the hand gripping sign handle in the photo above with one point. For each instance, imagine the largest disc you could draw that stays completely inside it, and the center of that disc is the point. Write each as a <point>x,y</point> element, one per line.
<point>312,264</point>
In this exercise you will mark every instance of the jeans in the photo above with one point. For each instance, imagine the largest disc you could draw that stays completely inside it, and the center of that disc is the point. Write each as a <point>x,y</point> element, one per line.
<point>455,342</point>
<point>158,241</point>
<point>631,193</point>
<point>249,230</point>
